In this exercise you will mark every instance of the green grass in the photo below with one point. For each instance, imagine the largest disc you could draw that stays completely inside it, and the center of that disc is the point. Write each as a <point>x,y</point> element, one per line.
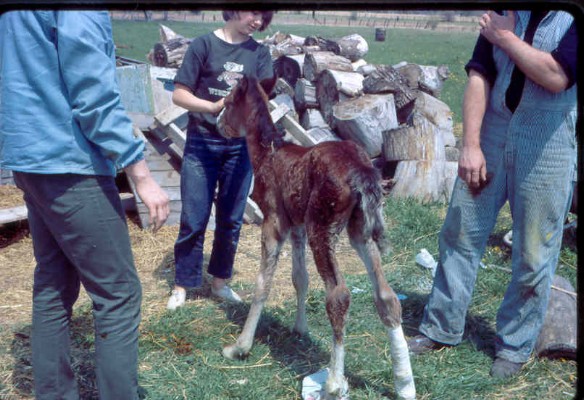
<point>135,39</point>
<point>180,352</point>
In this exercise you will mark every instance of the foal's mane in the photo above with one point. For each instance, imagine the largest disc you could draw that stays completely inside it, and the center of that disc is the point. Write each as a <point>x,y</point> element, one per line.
<point>254,90</point>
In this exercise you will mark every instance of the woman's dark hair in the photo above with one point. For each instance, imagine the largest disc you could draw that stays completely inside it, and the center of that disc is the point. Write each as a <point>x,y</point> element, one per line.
<point>266,17</point>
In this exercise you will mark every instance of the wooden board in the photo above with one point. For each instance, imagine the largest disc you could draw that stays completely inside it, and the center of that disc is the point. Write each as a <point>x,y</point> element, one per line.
<point>20,213</point>
<point>13,214</point>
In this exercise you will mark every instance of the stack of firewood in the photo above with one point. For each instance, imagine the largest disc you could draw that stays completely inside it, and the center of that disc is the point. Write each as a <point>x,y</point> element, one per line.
<point>394,112</point>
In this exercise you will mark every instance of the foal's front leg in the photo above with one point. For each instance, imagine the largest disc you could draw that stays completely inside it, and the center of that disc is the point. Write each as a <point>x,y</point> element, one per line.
<point>271,245</point>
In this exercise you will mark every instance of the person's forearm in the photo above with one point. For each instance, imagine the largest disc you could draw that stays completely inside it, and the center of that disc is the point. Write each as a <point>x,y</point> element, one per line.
<point>537,65</point>
<point>185,99</point>
<point>476,96</point>
<point>138,171</point>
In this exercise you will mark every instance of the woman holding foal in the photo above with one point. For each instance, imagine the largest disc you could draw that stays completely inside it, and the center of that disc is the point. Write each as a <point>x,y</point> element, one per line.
<point>212,65</point>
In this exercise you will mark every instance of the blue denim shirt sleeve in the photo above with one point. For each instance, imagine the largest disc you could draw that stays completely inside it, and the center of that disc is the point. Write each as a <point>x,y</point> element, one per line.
<point>61,109</point>
<point>85,39</point>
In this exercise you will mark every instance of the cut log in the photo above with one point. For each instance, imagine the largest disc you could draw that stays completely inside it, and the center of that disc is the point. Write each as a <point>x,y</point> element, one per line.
<point>418,140</point>
<point>311,49</point>
<point>348,83</point>
<point>385,79</point>
<point>315,63</point>
<point>363,120</point>
<point>290,68</point>
<point>312,118</point>
<point>333,87</point>
<point>353,47</point>
<point>428,181</point>
<point>280,37</point>
<point>427,78</point>
<point>322,134</point>
<point>169,54</point>
<point>558,337</point>
<point>285,48</point>
<point>366,69</point>
<point>323,44</point>
<point>167,34</point>
<point>283,87</point>
<point>358,64</point>
<point>411,72</point>
<point>305,95</point>
<point>438,113</point>
<point>432,79</point>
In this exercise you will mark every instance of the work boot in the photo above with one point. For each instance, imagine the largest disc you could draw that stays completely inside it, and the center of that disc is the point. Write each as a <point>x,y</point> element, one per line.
<point>504,368</point>
<point>421,344</point>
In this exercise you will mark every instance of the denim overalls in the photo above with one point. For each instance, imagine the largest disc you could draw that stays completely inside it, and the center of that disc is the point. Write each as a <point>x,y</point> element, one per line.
<point>532,154</point>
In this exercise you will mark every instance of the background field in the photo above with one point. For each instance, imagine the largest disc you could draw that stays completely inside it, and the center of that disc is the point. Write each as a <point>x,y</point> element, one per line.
<point>180,352</point>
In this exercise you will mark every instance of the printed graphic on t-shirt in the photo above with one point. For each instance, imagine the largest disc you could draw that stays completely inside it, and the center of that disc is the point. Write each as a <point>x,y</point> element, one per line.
<point>233,73</point>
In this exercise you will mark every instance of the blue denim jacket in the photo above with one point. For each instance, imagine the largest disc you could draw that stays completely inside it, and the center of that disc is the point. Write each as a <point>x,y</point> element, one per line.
<point>60,109</point>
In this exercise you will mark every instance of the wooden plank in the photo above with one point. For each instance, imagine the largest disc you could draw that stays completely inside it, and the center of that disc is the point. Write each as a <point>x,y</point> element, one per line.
<point>294,128</point>
<point>13,214</point>
<point>172,148</point>
<point>176,135</point>
<point>20,213</point>
<point>170,115</point>
<point>253,214</point>
<point>279,112</point>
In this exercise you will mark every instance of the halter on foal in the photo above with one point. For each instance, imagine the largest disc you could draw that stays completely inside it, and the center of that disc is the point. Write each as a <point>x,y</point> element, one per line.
<point>311,194</point>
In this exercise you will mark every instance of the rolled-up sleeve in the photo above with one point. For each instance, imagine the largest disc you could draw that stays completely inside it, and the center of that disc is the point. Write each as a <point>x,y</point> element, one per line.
<point>87,59</point>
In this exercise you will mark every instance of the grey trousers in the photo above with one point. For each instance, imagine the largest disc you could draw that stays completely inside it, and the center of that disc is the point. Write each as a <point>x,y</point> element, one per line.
<point>80,236</point>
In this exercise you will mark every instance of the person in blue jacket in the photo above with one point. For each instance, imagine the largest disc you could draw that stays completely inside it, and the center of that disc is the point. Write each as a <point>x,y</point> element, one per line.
<point>211,67</point>
<point>519,145</point>
<point>65,135</point>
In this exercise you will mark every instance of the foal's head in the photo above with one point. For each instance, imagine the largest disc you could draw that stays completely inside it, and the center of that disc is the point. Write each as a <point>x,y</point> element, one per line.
<point>246,111</point>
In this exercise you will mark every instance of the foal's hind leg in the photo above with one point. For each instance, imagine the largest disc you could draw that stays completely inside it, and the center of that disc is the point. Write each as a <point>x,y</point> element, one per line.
<point>338,299</point>
<point>299,277</point>
<point>271,245</point>
<point>389,310</point>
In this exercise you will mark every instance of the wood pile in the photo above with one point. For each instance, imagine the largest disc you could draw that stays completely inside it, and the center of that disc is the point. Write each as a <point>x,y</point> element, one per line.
<point>332,93</point>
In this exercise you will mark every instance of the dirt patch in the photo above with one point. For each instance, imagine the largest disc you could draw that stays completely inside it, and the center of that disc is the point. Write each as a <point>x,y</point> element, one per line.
<point>154,259</point>
<point>10,196</point>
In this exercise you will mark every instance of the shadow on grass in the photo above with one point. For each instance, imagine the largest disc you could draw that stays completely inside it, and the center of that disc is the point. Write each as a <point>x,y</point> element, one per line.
<point>82,358</point>
<point>81,353</point>
<point>299,353</point>
<point>290,348</point>
<point>478,330</point>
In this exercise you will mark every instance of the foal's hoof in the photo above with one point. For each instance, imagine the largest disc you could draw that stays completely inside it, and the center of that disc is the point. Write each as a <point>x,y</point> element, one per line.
<point>234,352</point>
<point>337,389</point>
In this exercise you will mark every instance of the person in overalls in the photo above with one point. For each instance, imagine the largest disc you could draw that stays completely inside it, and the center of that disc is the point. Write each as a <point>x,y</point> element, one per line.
<point>519,145</point>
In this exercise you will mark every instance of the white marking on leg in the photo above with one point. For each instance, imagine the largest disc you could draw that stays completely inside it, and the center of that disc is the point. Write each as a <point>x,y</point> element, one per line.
<point>402,369</point>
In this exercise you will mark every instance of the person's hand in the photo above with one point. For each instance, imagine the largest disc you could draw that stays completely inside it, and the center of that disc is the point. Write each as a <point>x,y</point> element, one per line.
<point>218,106</point>
<point>153,197</point>
<point>495,27</point>
<point>472,167</point>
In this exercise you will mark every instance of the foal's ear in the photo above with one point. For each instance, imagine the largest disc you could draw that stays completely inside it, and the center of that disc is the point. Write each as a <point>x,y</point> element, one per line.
<point>268,84</point>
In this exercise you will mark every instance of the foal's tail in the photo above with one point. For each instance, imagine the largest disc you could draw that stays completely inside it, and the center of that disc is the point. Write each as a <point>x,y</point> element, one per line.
<point>368,214</point>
